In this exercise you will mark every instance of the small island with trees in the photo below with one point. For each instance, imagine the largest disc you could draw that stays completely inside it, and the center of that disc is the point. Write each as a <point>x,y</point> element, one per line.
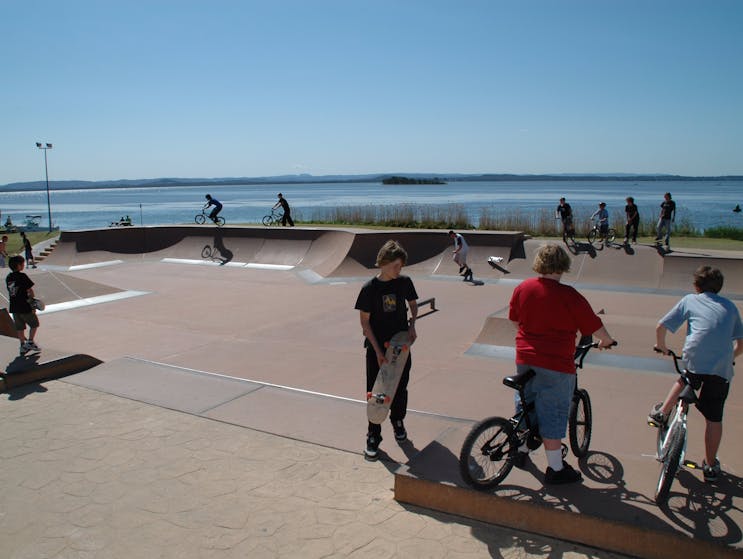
<point>408,180</point>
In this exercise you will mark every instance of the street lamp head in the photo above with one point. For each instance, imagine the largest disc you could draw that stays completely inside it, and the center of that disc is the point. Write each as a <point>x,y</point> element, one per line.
<point>38,144</point>
<point>49,146</point>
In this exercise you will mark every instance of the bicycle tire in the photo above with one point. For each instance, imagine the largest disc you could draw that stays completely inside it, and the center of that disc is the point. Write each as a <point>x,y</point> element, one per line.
<point>267,220</point>
<point>200,219</point>
<point>580,423</point>
<point>206,252</point>
<point>670,466</point>
<point>611,234</point>
<point>487,453</point>
<point>591,236</point>
<point>219,221</point>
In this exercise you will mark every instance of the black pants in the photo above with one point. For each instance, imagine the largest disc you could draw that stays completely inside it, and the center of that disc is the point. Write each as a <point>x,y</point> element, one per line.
<point>287,217</point>
<point>399,406</point>
<point>631,227</point>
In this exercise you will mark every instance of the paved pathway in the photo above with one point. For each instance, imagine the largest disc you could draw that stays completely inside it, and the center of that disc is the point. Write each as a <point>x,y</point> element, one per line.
<point>87,474</point>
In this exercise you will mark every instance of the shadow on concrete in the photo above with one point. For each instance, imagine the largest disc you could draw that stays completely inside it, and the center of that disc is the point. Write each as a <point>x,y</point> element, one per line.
<point>576,248</point>
<point>22,363</point>
<point>21,392</point>
<point>603,497</point>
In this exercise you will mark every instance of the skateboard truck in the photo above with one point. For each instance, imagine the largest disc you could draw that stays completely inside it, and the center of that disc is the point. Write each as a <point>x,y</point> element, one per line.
<point>380,398</point>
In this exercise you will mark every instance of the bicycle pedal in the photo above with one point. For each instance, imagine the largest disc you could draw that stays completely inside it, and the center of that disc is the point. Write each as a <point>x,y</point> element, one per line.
<point>691,465</point>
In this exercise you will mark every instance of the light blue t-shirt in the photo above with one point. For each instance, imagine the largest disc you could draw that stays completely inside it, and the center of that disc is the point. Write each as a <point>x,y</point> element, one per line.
<point>713,324</point>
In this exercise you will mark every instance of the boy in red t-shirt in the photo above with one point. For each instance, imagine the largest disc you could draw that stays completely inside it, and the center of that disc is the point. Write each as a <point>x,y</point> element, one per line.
<point>548,315</point>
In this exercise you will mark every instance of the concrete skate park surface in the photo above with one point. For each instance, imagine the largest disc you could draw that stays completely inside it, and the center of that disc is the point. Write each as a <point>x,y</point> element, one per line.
<point>259,330</point>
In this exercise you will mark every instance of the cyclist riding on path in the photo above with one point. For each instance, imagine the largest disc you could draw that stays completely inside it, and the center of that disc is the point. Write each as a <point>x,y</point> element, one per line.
<point>217,207</point>
<point>565,213</point>
<point>602,214</point>
<point>714,338</point>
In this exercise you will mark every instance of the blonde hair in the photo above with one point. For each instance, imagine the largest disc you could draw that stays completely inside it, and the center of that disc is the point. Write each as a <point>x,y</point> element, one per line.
<point>551,259</point>
<point>391,251</point>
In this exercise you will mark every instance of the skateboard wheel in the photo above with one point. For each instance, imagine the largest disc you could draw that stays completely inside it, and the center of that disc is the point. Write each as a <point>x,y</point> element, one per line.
<point>368,396</point>
<point>386,345</point>
<point>405,347</point>
<point>387,400</point>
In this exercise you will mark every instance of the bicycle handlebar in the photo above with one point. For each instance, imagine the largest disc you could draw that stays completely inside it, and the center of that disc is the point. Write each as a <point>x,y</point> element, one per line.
<point>676,358</point>
<point>582,350</point>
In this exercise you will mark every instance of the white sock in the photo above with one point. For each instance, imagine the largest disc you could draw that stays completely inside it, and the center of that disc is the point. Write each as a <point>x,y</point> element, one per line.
<point>554,459</point>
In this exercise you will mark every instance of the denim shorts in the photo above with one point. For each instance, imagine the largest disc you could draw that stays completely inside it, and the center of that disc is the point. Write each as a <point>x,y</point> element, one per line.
<point>552,393</point>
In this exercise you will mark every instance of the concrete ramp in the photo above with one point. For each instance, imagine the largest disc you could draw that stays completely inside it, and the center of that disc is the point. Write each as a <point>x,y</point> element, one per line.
<point>19,370</point>
<point>679,267</point>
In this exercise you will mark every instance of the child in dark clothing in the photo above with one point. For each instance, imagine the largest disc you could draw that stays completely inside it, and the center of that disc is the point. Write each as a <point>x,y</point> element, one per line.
<point>20,289</point>
<point>383,313</point>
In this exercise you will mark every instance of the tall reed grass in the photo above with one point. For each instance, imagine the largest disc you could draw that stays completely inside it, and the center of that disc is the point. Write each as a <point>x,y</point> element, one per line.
<point>541,223</point>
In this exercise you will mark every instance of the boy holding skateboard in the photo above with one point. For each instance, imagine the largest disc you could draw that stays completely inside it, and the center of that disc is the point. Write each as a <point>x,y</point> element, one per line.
<point>383,313</point>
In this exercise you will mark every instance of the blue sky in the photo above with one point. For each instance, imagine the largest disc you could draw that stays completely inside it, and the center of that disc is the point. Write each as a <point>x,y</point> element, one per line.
<point>243,88</point>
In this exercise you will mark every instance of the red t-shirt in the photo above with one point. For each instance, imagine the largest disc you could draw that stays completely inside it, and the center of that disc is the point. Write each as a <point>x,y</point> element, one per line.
<point>549,315</point>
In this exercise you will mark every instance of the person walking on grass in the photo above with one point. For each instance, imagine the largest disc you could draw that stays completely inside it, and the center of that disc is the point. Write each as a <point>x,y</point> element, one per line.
<point>666,217</point>
<point>21,293</point>
<point>287,211</point>
<point>28,250</point>
<point>714,338</point>
<point>383,313</point>
<point>633,221</point>
<point>460,254</point>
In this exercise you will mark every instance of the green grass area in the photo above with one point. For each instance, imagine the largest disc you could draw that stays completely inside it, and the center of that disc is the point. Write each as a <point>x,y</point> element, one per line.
<point>15,243</point>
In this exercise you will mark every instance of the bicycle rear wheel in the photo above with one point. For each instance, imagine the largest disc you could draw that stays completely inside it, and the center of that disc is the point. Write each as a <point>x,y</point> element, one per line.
<point>219,221</point>
<point>670,465</point>
<point>267,220</point>
<point>487,453</point>
<point>200,219</point>
<point>206,252</point>
<point>580,423</point>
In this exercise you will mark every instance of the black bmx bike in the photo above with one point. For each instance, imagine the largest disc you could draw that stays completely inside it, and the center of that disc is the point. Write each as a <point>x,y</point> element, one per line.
<point>490,449</point>
<point>274,218</point>
<point>201,218</point>
<point>605,237</point>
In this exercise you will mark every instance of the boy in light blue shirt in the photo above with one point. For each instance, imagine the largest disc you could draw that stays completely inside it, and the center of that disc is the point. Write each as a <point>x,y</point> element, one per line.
<point>603,217</point>
<point>713,340</point>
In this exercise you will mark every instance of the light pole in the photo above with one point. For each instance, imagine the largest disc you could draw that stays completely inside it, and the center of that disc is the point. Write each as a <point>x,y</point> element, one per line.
<point>45,147</point>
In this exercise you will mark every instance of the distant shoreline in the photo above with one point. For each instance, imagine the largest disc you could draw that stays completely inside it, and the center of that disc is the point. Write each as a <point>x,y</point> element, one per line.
<point>308,179</point>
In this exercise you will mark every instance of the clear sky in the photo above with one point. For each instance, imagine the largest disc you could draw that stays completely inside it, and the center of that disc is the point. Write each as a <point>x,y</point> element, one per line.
<point>218,88</point>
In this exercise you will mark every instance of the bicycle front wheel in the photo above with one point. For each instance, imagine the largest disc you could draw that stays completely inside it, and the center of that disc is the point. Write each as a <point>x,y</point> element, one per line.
<point>487,453</point>
<point>267,220</point>
<point>592,236</point>
<point>200,219</point>
<point>580,423</point>
<point>670,465</point>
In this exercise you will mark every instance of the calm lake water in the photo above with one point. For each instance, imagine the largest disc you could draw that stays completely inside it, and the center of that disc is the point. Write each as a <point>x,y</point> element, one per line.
<point>703,203</point>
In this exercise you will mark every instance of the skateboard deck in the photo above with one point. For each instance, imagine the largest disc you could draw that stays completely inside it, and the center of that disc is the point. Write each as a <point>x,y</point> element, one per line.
<point>378,401</point>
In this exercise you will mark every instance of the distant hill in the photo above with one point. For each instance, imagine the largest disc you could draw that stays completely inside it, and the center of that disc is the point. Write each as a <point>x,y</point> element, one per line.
<point>308,179</point>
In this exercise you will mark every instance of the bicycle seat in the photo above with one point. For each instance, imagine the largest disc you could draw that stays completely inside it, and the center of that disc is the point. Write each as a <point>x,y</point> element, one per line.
<point>518,380</point>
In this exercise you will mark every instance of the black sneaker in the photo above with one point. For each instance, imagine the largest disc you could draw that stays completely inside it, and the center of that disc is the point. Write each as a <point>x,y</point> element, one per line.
<point>461,269</point>
<point>711,473</point>
<point>400,433</point>
<point>566,475</point>
<point>372,446</point>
